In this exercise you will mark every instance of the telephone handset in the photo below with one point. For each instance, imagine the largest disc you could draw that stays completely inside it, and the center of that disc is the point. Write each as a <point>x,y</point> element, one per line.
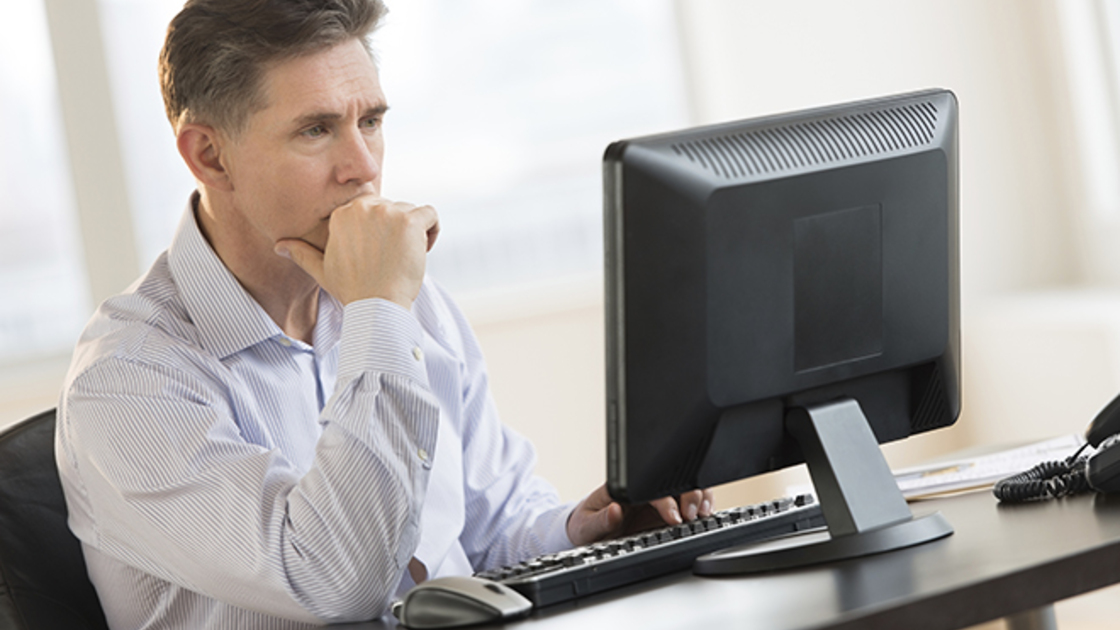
<point>1104,434</point>
<point>1099,471</point>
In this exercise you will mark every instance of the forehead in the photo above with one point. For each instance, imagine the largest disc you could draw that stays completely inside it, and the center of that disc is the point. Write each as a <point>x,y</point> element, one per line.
<point>333,80</point>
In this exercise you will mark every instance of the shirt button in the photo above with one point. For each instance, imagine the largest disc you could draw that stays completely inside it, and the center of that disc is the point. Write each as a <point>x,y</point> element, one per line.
<point>417,353</point>
<point>284,341</point>
<point>423,454</point>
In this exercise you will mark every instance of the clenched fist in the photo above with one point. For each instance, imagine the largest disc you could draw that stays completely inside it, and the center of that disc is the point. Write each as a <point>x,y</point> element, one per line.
<point>376,248</point>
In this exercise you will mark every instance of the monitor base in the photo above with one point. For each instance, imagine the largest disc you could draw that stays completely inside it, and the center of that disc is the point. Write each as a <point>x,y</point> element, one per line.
<point>817,546</point>
<point>865,512</point>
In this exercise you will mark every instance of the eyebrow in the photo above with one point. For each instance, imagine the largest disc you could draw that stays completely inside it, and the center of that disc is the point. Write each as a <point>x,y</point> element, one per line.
<point>322,117</point>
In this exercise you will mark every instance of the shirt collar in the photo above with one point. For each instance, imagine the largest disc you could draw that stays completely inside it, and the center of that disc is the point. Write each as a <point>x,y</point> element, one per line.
<point>227,317</point>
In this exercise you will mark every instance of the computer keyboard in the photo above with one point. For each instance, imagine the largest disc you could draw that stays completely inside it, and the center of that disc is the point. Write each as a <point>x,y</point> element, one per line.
<point>559,577</point>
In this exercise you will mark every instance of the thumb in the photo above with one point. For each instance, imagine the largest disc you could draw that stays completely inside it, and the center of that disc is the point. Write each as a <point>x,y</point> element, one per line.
<point>303,254</point>
<point>611,519</point>
<point>597,525</point>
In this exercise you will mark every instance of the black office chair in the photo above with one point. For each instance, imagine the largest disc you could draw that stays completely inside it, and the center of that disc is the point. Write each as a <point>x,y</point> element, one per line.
<point>43,579</point>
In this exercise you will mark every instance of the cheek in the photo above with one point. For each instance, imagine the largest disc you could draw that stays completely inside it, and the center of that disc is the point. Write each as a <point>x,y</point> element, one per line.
<point>292,183</point>
<point>280,200</point>
<point>376,146</point>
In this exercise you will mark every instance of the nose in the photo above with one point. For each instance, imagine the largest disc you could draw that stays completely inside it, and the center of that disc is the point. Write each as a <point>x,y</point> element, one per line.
<point>359,159</point>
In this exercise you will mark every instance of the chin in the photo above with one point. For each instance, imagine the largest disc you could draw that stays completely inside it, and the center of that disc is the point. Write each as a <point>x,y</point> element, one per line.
<point>317,238</point>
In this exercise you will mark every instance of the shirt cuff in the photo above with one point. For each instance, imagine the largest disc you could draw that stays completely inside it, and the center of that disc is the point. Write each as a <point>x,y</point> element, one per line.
<point>554,535</point>
<point>380,336</point>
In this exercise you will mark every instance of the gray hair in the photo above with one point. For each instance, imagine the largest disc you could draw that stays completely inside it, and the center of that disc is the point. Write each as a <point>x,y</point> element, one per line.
<point>216,51</point>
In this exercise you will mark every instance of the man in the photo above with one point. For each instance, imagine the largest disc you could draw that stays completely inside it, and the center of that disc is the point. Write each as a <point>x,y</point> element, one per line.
<point>283,422</point>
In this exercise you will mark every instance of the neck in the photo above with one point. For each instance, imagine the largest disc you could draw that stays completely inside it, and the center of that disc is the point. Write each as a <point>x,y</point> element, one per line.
<point>286,293</point>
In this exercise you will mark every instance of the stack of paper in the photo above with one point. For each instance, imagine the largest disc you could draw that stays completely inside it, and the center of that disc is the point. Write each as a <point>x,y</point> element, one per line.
<point>978,472</point>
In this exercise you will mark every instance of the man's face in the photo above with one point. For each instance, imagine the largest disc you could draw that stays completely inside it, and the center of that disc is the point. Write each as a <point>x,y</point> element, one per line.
<point>316,145</point>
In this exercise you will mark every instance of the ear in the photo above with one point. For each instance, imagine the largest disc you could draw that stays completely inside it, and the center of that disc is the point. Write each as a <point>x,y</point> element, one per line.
<point>201,147</point>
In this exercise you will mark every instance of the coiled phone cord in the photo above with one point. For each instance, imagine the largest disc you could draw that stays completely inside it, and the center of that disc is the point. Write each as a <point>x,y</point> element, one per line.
<point>1048,480</point>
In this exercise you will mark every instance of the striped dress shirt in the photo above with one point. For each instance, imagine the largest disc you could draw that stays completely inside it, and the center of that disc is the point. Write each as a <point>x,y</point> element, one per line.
<point>220,474</point>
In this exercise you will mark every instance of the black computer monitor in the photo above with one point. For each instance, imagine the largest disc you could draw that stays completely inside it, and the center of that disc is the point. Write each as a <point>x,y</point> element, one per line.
<point>779,290</point>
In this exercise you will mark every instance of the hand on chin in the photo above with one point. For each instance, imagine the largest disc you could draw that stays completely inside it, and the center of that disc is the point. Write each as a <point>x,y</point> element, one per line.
<point>318,236</point>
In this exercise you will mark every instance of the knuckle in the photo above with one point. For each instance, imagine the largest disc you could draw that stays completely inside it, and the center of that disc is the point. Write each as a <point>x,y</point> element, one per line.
<point>376,210</point>
<point>414,221</point>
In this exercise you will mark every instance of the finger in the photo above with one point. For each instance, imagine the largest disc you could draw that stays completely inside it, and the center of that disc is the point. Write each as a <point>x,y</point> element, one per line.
<point>430,221</point>
<point>303,254</point>
<point>667,508</point>
<point>581,522</point>
<point>707,504</point>
<point>433,233</point>
<point>599,524</point>
<point>587,526</point>
<point>598,499</point>
<point>607,520</point>
<point>690,504</point>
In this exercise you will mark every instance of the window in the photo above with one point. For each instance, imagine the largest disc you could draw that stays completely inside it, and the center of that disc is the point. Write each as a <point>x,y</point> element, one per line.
<point>1090,35</point>
<point>41,278</point>
<point>500,114</point>
<point>158,181</point>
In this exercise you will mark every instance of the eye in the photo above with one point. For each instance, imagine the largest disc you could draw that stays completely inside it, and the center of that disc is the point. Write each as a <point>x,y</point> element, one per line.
<point>315,132</point>
<point>372,122</point>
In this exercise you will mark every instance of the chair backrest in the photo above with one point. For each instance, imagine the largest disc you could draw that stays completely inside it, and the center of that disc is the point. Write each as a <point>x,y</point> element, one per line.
<point>43,579</point>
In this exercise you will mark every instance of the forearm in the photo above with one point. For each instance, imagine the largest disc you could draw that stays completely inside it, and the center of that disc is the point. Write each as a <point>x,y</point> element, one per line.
<point>352,522</point>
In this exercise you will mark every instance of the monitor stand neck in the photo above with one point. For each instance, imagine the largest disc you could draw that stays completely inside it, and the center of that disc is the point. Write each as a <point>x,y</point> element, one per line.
<point>861,502</point>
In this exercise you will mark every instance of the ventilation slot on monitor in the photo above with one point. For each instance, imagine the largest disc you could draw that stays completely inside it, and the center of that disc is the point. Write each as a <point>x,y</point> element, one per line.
<point>803,144</point>
<point>933,408</point>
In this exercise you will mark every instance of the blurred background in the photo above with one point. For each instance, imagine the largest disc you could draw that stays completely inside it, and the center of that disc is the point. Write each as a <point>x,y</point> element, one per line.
<point>501,110</point>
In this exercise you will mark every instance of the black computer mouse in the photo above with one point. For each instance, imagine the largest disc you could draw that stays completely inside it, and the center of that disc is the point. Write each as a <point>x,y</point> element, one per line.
<point>450,602</point>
